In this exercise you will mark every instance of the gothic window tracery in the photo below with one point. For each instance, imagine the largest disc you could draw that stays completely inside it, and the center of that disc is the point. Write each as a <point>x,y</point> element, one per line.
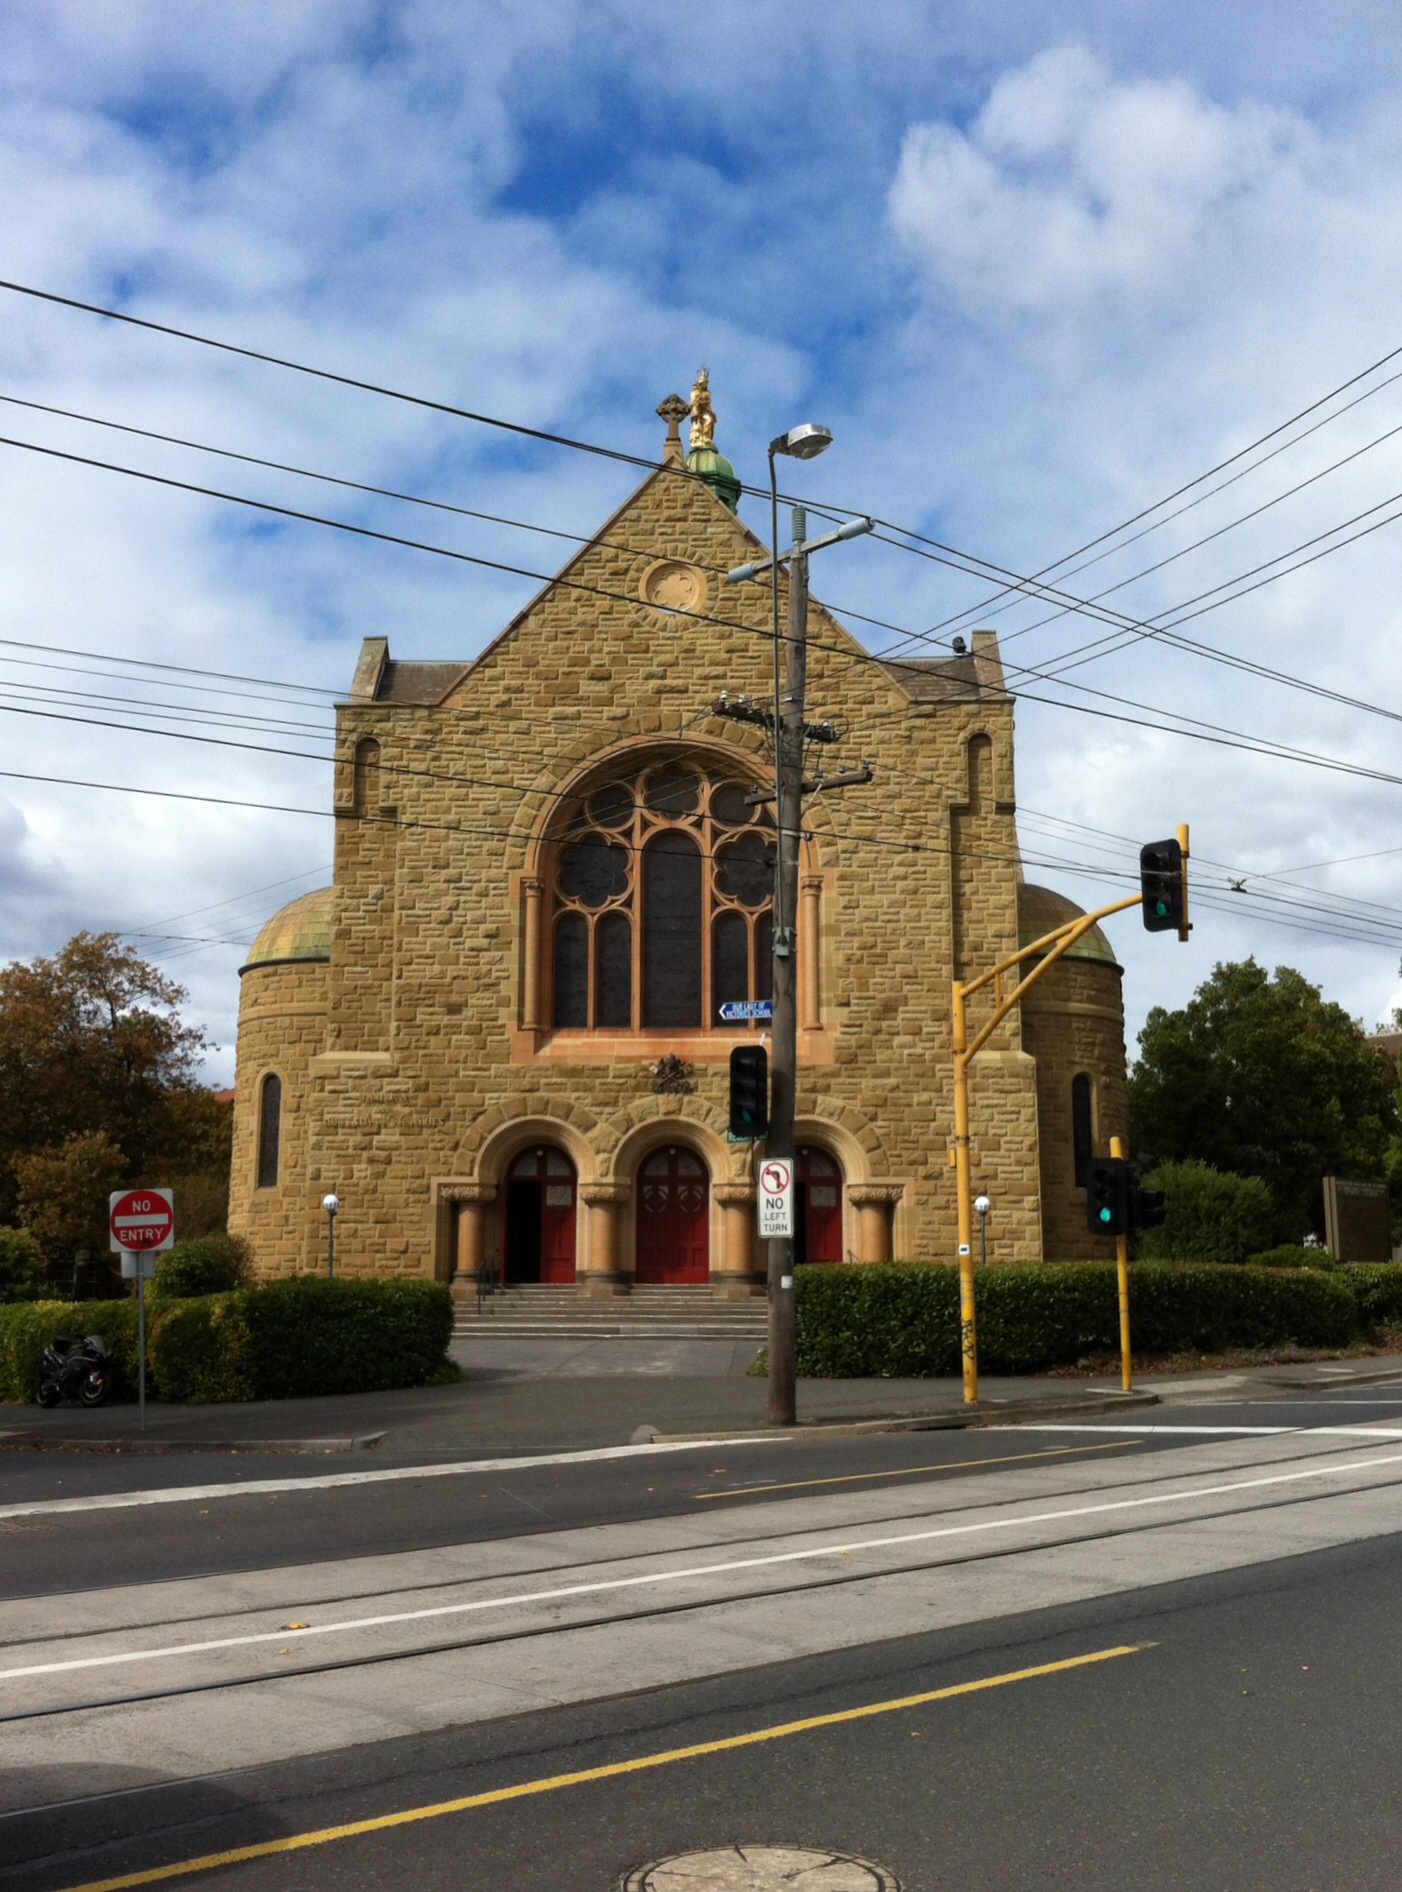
<point>660,892</point>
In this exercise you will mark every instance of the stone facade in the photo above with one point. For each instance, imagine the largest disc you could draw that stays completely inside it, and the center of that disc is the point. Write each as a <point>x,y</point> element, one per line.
<point>411,1019</point>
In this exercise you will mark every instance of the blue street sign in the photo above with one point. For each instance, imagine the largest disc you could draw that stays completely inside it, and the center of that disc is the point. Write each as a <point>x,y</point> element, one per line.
<point>740,1009</point>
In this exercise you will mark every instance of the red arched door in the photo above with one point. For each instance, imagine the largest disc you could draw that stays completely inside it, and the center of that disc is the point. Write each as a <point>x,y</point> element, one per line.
<point>674,1232</point>
<point>819,1220</point>
<point>540,1218</point>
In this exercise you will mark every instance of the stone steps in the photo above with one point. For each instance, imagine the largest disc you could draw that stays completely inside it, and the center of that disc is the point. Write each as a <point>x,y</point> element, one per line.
<point>647,1313</point>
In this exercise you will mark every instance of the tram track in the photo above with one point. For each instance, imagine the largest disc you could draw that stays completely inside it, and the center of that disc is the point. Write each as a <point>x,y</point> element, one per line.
<point>1359,1477</point>
<point>614,1620</point>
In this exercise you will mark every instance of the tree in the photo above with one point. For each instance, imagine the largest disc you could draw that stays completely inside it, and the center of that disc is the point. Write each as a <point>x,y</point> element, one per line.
<point>63,1195</point>
<point>92,1041</point>
<point>1266,1078</point>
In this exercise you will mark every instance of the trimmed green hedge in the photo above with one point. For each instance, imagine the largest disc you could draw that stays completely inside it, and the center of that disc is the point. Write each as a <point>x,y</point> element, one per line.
<point>210,1264</point>
<point>286,1340</point>
<point>27,1328</point>
<point>1295,1257</point>
<point>1377,1288</point>
<point>902,1321</point>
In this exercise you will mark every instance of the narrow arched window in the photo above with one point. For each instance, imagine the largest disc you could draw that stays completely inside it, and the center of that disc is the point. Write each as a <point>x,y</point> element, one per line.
<point>1082,1128</point>
<point>571,972</point>
<point>672,931</point>
<point>367,776</point>
<point>269,1131</point>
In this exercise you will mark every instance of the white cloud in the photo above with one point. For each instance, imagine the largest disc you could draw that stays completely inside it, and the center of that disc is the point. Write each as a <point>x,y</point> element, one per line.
<point>1031,288</point>
<point>1070,182</point>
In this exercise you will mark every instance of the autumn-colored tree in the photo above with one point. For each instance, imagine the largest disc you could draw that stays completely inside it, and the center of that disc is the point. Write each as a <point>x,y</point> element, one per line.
<point>63,1195</point>
<point>91,1041</point>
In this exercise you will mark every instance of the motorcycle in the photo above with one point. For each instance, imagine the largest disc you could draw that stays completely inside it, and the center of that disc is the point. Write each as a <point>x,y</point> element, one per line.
<point>81,1370</point>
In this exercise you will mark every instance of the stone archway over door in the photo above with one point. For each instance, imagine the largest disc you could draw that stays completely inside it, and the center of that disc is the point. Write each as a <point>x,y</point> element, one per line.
<point>540,1218</point>
<point>673,1219</point>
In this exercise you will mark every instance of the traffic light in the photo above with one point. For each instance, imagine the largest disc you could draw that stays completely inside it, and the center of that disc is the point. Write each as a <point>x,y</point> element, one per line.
<point>749,1093</point>
<point>1146,1206</point>
<point>1107,1196</point>
<point>1161,884</point>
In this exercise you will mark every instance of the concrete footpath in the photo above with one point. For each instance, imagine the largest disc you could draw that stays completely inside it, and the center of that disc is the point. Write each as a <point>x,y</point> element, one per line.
<point>555,1395</point>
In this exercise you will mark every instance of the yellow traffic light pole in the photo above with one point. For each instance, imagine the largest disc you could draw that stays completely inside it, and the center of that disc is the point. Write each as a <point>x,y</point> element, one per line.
<point>1044,952</point>
<point>1117,1149</point>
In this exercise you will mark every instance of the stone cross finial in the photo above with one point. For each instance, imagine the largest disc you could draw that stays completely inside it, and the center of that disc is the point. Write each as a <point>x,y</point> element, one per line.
<point>674,411</point>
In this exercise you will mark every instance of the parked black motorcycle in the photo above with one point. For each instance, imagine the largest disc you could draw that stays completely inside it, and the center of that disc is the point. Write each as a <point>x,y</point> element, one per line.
<point>76,1369</point>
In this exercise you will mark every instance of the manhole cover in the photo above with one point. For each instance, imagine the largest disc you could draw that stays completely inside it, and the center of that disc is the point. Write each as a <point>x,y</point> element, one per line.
<point>761,1869</point>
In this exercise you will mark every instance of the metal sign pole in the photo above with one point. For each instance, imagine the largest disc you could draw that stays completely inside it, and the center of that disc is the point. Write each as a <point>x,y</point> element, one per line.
<point>141,1343</point>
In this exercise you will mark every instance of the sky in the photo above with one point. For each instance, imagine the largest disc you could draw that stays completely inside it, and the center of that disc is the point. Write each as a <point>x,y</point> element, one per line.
<point>1037,266</point>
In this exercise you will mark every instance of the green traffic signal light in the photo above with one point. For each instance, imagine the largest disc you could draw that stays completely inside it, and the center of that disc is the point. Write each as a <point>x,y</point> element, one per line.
<point>749,1093</point>
<point>1161,886</point>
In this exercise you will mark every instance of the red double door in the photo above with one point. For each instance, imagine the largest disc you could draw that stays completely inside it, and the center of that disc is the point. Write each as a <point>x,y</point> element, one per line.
<point>674,1220</point>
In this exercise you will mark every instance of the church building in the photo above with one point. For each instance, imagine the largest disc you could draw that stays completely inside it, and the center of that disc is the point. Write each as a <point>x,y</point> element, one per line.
<point>496,1037</point>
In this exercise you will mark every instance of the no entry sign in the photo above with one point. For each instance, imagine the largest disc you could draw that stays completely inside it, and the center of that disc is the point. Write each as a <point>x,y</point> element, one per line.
<point>142,1221</point>
<point>775,1197</point>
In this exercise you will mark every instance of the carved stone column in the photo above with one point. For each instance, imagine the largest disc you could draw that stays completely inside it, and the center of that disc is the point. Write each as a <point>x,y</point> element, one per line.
<point>810,998</point>
<point>737,1277</point>
<point>874,1202</point>
<point>533,890</point>
<point>603,1273</point>
<point>469,1233</point>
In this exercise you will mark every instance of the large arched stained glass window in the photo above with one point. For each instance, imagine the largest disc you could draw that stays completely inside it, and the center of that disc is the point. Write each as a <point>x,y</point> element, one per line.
<point>660,900</point>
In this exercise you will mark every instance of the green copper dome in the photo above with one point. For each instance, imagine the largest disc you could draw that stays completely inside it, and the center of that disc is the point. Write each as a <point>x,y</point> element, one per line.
<point>713,467</point>
<point>300,932</point>
<point>1039,910</point>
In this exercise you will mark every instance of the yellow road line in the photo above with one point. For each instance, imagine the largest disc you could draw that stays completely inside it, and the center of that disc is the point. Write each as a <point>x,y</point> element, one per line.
<point>527,1789</point>
<point>914,1471</point>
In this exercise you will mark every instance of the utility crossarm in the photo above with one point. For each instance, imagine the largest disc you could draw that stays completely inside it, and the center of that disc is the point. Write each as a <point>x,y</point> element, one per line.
<point>851,529</point>
<point>823,784</point>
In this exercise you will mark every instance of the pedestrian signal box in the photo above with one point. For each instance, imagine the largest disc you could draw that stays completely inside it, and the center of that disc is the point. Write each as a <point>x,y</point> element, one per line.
<point>749,1094</point>
<point>1146,1207</point>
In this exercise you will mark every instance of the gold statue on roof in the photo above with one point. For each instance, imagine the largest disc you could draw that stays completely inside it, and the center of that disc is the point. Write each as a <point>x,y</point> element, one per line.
<point>703,414</point>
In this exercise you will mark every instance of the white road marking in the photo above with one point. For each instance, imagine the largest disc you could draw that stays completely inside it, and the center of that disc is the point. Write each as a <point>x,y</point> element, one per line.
<point>769,1561</point>
<point>331,1481</point>
<point>1216,1432</point>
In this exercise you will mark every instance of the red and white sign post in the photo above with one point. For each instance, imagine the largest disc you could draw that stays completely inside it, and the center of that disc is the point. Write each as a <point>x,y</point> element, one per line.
<point>775,1198</point>
<point>142,1225</point>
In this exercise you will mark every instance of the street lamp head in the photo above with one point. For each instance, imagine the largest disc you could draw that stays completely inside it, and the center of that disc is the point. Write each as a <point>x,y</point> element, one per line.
<point>805,442</point>
<point>982,1205</point>
<point>331,1204</point>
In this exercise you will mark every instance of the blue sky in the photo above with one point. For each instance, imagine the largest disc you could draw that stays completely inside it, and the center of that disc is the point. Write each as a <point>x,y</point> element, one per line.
<point>1037,266</point>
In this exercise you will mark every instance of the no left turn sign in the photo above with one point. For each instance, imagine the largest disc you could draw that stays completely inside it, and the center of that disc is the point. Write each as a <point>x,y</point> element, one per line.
<point>775,1197</point>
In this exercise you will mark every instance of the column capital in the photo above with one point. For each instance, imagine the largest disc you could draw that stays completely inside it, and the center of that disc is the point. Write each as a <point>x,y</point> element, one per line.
<point>478,1192</point>
<point>874,1195</point>
<point>601,1195</point>
<point>733,1195</point>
